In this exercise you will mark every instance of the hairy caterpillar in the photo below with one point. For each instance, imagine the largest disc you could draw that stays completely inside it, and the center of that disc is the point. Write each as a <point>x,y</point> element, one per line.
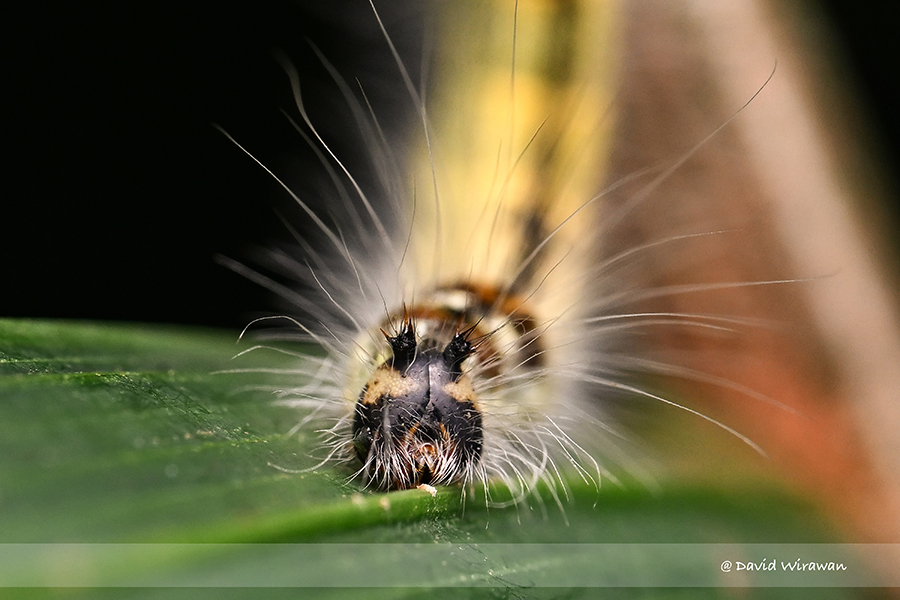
<point>499,256</point>
<point>468,386</point>
<point>501,351</point>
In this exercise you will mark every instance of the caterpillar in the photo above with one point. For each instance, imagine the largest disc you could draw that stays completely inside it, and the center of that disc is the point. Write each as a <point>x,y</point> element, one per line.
<point>505,296</point>
<point>474,333</point>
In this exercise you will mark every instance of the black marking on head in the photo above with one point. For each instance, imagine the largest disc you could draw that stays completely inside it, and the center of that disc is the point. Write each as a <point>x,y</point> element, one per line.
<point>458,350</point>
<point>403,347</point>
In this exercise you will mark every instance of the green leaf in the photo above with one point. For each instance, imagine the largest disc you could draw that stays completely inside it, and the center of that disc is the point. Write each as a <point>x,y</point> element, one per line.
<point>118,433</point>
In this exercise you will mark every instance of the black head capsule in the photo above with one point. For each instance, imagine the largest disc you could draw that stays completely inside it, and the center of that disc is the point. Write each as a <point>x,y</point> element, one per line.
<point>416,421</point>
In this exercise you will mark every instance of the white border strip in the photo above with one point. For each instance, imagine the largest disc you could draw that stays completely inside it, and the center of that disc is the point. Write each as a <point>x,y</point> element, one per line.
<point>443,565</point>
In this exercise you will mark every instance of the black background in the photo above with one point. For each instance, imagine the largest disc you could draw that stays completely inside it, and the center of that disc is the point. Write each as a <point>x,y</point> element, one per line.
<point>118,191</point>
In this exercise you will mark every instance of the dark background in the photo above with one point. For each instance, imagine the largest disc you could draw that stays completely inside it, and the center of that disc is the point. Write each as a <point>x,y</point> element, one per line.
<point>118,191</point>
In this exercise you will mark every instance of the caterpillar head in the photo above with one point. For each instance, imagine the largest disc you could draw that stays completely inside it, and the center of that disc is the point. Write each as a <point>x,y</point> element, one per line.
<point>416,421</point>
